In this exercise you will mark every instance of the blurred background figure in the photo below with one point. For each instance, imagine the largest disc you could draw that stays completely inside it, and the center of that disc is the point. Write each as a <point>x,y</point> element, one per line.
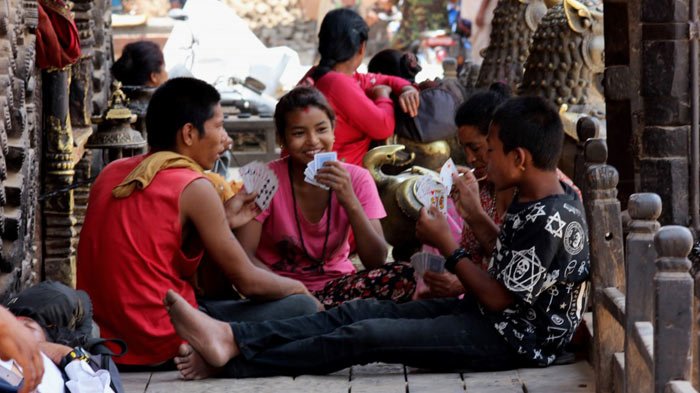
<point>383,19</point>
<point>480,13</point>
<point>141,64</point>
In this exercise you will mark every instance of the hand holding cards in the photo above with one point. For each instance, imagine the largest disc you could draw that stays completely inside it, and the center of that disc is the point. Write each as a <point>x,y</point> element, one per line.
<point>258,178</point>
<point>313,166</point>
<point>432,192</point>
<point>425,261</point>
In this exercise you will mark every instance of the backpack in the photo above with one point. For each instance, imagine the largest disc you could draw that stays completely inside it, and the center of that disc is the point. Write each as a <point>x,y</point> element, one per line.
<point>435,119</point>
<point>65,314</point>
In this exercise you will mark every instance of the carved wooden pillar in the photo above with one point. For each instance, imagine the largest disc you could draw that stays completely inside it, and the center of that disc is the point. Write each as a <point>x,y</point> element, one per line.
<point>674,306</point>
<point>59,222</point>
<point>623,105</point>
<point>607,259</point>
<point>665,91</point>
<point>644,210</point>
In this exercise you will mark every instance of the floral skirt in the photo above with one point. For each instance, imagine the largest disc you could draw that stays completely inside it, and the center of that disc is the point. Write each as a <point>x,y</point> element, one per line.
<point>393,281</point>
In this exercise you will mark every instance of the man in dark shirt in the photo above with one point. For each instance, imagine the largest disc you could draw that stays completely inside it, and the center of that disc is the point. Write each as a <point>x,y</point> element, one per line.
<point>523,311</point>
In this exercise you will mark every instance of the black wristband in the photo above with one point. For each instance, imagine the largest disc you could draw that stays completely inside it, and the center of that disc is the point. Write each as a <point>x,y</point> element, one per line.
<point>456,256</point>
<point>76,353</point>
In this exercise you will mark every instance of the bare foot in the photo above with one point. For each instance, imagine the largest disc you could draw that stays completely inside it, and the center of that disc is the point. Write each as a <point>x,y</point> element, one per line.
<point>191,364</point>
<point>212,339</point>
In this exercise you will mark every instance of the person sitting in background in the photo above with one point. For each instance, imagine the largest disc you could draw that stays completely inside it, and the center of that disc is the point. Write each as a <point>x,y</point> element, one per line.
<point>396,63</point>
<point>141,64</point>
<point>361,102</point>
<point>304,233</point>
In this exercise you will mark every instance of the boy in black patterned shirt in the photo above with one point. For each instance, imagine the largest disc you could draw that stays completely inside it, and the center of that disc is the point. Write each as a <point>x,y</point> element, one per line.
<point>537,282</point>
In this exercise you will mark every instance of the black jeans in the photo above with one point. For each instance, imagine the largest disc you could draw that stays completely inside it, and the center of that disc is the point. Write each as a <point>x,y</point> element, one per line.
<point>446,334</point>
<point>252,311</point>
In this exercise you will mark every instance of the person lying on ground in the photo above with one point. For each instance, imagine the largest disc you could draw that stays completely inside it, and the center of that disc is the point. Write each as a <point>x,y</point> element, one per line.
<point>304,233</point>
<point>151,217</point>
<point>16,343</point>
<point>521,312</point>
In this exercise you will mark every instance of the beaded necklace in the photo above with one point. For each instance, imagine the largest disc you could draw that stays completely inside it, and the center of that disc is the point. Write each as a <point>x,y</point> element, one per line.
<point>319,261</point>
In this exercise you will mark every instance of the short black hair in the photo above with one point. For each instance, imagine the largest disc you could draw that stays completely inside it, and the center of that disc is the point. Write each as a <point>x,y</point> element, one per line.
<point>531,123</point>
<point>297,98</point>
<point>396,63</point>
<point>138,61</point>
<point>175,103</point>
<point>478,109</point>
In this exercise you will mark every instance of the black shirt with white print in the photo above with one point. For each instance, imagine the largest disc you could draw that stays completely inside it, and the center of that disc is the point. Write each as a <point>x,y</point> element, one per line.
<point>541,257</point>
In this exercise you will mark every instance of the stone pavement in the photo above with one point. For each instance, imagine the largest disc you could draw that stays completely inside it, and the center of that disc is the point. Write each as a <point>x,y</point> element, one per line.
<point>379,377</point>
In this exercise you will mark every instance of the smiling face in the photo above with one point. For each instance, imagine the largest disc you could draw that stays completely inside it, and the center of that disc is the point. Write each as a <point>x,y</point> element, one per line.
<point>475,148</point>
<point>308,131</point>
<point>208,147</point>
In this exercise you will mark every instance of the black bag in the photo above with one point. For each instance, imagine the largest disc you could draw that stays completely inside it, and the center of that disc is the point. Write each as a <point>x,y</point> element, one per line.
<point>101,358</point>
<point>65,314</point>
<point>435,119</point>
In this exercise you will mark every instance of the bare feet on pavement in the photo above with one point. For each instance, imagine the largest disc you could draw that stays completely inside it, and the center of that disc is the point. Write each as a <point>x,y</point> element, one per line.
<point>212,339</point>
<point>191,364</point>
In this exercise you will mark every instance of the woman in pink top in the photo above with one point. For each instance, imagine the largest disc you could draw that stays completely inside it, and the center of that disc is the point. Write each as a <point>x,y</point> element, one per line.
<point>303,234</point>
<point>362,102</point>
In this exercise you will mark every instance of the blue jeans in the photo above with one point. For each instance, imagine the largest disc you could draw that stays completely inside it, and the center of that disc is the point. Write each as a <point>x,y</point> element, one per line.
<point>252,311</point>
<point>447,334</point>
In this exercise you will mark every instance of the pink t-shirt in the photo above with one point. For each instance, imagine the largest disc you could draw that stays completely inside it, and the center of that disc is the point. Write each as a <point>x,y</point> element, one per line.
<point>280,247</point>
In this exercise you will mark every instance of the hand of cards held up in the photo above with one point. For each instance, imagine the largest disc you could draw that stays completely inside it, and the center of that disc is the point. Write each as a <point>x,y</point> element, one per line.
<point>313,166</point>
<point>432,192</point>
<point>258,178</point>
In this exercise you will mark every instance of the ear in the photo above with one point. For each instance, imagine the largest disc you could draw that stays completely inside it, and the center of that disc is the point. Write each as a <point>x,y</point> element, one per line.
<point>153,79</point>
<point>522,158</point>
<point>187,133</point>
<point>363,49</point>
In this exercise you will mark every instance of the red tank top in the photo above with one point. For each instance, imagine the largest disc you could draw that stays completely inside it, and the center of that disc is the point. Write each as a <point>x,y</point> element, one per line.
<point>130,254</point>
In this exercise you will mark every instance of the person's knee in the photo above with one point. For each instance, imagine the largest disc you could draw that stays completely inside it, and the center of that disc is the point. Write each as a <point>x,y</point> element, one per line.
<point>298,305</point>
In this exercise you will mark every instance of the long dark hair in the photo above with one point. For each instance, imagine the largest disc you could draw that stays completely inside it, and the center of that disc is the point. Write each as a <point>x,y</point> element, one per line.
<point>138,61</point>
<point>342,34</point>
<point>396,63</point>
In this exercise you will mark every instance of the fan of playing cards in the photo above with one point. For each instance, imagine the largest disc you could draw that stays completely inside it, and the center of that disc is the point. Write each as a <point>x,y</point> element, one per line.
<point>316,164</point>
<point>433,192</point>
<point>425,261</point>
<point>257,177</point>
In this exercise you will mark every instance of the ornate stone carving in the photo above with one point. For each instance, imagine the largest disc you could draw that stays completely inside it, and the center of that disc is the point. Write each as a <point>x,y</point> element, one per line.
<point>514,22</point>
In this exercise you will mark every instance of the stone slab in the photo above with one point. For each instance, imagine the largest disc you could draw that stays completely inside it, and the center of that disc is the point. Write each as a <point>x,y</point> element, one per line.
<point>435,383</point>
<point>322,384</point>
<point>135,382</point>
<point>493,382</point>
<point>570,378</point>
<point>168,382</point>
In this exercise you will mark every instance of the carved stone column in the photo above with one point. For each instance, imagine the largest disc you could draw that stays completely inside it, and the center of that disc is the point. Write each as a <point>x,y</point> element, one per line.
<point>665,91</point>
<point>59,221</point>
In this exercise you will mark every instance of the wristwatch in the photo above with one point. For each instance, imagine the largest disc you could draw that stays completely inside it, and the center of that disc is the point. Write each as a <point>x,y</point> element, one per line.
<point>77,353</point>
<point>456,256</point>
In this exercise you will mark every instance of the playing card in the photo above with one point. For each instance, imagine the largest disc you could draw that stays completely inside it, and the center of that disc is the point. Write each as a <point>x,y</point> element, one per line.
<point>311,167</point>
<point>258,178</point>
<point>448,168</point>
<point>320,158</point>
<point>430,192</point>
<point>418,263</point>
<point>435,263</point>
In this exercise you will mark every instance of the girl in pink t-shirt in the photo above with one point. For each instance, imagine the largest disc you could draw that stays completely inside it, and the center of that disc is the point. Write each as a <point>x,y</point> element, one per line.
<point>303,234</point>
